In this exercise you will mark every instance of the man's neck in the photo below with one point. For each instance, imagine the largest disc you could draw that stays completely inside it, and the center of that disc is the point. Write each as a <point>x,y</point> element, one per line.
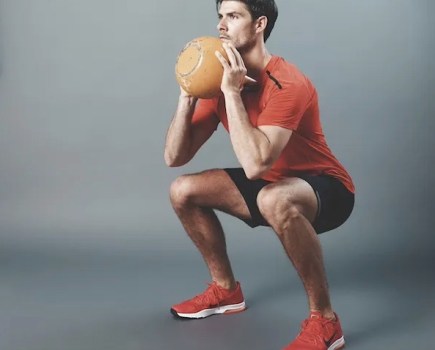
<point>256,60</point>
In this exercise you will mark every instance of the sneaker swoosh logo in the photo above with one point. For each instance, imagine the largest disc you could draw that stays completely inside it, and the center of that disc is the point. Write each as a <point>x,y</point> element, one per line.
<point>329,341</point>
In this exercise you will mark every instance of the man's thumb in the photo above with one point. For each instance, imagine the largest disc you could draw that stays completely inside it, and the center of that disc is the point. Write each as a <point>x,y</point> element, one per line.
<point>249,81</point>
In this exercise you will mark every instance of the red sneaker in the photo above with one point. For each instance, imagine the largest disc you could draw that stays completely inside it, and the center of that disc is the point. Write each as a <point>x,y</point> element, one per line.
<point>318,333</point>
<point>215,300</point>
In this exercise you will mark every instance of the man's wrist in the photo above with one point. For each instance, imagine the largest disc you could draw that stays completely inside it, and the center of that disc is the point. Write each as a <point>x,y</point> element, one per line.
<point>186,100</point>
<point>231,93</point>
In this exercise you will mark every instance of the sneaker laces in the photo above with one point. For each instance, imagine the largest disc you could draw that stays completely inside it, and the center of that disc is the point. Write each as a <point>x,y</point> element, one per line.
<point>211,296</point>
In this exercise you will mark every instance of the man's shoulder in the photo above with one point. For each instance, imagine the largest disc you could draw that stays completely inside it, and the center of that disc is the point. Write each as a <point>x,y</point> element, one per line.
<point>288,73</point>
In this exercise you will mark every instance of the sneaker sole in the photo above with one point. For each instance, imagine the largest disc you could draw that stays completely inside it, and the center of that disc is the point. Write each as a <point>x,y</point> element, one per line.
<point>227,309</point>
<point>338,344</point>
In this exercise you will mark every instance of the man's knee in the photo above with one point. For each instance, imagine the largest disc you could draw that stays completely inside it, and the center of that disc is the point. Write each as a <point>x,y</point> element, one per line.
<point>182,190</point>
<point>279,209</point>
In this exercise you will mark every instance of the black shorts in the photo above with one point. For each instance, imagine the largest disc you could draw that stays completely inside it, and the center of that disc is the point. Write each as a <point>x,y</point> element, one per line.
<point>335,201</point>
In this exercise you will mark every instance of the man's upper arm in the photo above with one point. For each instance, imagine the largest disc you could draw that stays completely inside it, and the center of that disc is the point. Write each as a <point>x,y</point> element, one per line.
<point>201,132</point>
<point>278,138</point>
<point>282,115</point>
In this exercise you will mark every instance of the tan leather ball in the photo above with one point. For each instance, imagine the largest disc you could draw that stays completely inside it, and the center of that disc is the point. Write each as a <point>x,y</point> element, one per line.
<point>198,70</point>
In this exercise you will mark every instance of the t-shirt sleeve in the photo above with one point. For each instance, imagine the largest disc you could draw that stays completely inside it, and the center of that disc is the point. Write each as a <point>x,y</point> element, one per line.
<point>285,107</point>
<point>205,114</point>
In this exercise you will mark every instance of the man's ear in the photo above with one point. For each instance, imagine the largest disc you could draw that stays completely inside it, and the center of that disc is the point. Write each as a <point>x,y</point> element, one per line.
<point>261,24</point>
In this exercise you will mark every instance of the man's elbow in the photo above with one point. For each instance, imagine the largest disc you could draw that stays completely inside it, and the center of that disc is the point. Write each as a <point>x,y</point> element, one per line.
<point>173,162</point>
<point>170,161</point>
<point>255,169</point>
<point>255,172</point>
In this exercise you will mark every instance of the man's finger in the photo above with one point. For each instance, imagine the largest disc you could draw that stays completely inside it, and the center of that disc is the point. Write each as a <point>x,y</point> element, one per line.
<point>237,56</point>
<point>231,56</point>
<point>222,59</point>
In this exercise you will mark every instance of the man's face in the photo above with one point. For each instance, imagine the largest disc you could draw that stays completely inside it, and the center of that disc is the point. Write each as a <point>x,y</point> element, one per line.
<point>236,25</point>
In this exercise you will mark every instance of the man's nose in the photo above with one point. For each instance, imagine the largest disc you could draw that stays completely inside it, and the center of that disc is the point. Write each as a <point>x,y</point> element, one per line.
<point>221,26</point>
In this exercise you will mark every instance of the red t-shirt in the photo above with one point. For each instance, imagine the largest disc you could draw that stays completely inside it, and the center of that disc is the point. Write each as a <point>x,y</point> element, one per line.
<point>286,98</point>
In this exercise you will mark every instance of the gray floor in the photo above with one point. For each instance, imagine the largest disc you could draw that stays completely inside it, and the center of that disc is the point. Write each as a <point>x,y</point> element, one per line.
<point>56,296</point>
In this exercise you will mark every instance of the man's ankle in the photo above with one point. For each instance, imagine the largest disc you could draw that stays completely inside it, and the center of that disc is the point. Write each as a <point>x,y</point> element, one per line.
<point>227,285</point>
<point>327,314</point>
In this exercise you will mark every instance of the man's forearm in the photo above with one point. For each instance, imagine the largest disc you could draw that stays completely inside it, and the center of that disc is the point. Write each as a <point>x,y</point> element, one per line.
<point>251,145</point>
<point>178,138</point>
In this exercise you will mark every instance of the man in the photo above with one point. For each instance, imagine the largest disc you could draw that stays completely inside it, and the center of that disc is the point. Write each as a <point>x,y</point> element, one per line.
<point>288,179</point>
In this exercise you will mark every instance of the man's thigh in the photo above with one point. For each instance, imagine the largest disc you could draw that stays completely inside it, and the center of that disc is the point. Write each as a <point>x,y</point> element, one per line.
<point>214,189</point>
<point>293,192</point>
<point>322,199</point>
<point>335,201</point>
<point>290,191</point>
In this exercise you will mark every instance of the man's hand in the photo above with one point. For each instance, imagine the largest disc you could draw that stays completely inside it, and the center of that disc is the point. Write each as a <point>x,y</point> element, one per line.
<point>234,76</point>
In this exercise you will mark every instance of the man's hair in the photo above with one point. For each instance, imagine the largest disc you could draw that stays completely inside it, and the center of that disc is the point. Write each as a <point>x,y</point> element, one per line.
<point>258,8</point>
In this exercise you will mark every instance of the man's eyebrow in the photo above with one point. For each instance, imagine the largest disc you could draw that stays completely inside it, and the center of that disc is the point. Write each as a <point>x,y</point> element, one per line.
<point>220,15</point>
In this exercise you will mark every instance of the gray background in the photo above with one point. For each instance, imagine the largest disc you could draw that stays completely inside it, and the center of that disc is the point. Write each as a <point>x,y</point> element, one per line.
<point>91,254</point>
